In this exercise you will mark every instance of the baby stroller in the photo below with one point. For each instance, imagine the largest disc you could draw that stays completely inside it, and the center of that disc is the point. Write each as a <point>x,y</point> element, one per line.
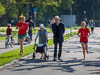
<point>9,42</point>
<point>42,49</point>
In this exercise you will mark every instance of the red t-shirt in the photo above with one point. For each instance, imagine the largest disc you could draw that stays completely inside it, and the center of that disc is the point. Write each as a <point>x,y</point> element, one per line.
<point>84,34</point>
<point>9,30</point>
<point>24,28</point>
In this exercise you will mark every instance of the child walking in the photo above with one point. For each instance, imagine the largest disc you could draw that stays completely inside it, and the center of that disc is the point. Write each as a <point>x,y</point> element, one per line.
<point>83,33</point>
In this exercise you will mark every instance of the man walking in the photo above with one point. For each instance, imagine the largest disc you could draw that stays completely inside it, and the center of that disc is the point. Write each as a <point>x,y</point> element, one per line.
<point>58,30</point>
<point>30,22</point>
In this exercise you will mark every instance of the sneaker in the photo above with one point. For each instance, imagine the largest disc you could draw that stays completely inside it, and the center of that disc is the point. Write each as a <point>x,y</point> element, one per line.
<point>60,59</point>
<point>54,59</point>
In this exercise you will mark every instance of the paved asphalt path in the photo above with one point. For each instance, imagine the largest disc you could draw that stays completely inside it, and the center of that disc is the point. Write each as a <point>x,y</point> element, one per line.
<point>71,64</point>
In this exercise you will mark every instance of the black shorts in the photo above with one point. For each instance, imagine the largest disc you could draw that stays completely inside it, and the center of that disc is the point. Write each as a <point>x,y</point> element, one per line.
<point>84,42</point>
<point>92,28</point>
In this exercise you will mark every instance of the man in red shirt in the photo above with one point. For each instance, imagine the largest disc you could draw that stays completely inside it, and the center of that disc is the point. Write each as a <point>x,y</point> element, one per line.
<point>22,33</point>
<point>83,33</point>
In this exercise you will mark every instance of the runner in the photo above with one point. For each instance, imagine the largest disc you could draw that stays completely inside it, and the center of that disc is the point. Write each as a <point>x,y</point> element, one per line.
<point>22,33</point>
<point>83,33</point>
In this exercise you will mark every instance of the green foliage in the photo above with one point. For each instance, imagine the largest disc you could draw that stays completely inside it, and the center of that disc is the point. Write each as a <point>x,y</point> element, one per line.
<point>2,10</point>
<point>47,9</point>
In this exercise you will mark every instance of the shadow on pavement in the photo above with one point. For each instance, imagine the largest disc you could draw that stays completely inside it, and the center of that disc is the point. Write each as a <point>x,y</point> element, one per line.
<point>95,71</point>
<point>59,65</point>
<point>65,66</point>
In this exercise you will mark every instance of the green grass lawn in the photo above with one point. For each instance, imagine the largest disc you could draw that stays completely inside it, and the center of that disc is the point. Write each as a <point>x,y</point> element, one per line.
<point>12,55</point>
<point>2,38</point>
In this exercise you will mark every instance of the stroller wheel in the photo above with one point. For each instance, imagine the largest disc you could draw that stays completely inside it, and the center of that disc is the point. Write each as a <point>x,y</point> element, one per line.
<point>33,56</point>
<point>10,45</point>
<point>45,58</point>
<point>48,57</point>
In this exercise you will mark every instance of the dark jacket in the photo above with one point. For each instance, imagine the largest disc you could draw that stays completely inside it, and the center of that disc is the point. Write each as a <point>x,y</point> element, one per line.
<point>30,22</point>
<point>58,32</point>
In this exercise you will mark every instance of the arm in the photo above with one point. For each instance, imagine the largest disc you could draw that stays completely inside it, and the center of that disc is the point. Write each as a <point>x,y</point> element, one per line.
<point>63,28</point>
<point>18,26</point>
<point>11,31</point>
<point>32,24</point>
<point>53,29</point>
<point>27,29</point>
<point>89,33</point>
<point>46,33</point>
<point>47,37</point>
<point>78,33</point>
<point>36,36</point>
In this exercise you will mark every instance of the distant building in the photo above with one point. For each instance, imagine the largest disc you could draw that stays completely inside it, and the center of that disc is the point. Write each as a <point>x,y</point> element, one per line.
<point>68,20</point>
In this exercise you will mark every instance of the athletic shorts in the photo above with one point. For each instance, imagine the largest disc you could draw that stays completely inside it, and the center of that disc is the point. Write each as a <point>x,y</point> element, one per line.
<point>84,42</point>
<point>21,36</point>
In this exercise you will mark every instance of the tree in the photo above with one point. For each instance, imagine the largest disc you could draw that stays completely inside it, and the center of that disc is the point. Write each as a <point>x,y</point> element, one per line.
<point>2,10</point>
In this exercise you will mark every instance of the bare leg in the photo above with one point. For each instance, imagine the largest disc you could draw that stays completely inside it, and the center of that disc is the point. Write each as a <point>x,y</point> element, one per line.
<point>83,50</point>
<point>86,46</point>
<point>21,45</point>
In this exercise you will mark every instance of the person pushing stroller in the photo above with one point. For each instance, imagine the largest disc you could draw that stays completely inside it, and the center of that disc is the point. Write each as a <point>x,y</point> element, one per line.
<point>43,40</point>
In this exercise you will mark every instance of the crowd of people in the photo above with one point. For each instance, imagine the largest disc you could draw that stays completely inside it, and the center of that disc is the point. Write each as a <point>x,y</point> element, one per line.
<point>58,29</point>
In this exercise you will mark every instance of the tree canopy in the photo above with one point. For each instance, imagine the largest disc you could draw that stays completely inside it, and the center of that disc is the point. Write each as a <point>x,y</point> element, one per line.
<point>47,9</point>
<point>2,10</point>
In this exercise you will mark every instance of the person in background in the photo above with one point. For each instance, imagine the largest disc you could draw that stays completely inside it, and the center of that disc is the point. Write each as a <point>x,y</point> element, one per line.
<point>9,31</point>
<point>52,21</point>
<point>30,23</point>
<point>22,26</point>
<point>58,30</point>
<point>84,33</point>
<point>92,25</point>
<point>86,20</point>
